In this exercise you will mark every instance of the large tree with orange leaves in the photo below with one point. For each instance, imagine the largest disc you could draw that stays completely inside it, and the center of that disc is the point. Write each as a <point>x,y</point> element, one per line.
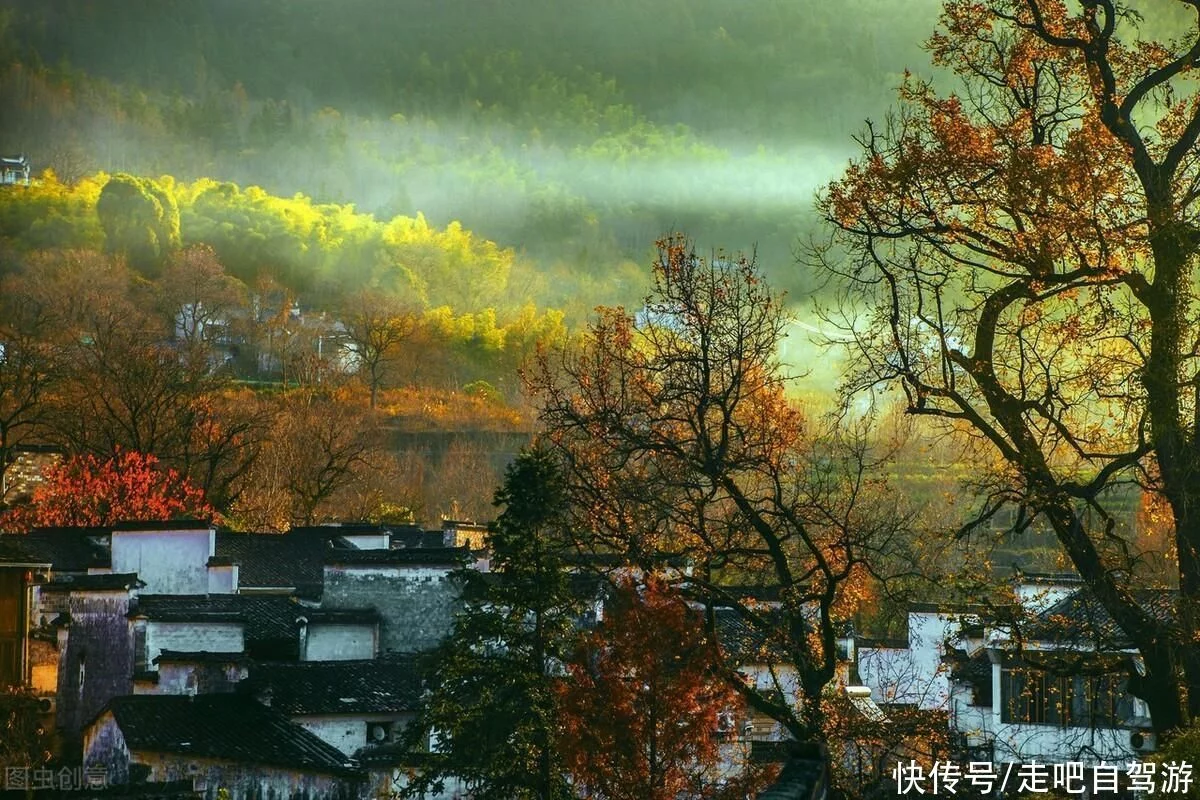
<point>679,436</point>
<point>1019,258</point>
<point>640,714</point>
<point>128,486</point>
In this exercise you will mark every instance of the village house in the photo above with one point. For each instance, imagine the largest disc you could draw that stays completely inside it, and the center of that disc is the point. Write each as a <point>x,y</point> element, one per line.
<point>307,637</point>
<point>1055,693</point>
<point>26,467</point>
<point>218,741</point>
<point>412,590</point>
<point>306,643</point>
<point>14,171</point>
<point>347,704</point>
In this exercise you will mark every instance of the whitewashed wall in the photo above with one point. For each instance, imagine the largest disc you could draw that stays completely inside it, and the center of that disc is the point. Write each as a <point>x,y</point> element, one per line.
<point>168,562</point>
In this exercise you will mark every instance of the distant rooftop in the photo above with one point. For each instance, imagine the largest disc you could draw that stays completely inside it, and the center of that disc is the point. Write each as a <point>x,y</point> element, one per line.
<point>108,582</point>
<point>65,549</point>
<point>12,553</point>
<point>428,556</point>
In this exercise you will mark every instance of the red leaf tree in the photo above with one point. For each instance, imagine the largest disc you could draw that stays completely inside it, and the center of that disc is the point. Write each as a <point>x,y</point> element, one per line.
<point>640,713</point>
<point>89,491</point>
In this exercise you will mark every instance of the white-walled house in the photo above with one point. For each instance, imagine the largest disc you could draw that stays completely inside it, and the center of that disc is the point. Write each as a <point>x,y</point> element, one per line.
<point>14,171</point>
<point>1053,694</point>
<point>170,558</point>
<point>347,704</point>
<point>912,671</point>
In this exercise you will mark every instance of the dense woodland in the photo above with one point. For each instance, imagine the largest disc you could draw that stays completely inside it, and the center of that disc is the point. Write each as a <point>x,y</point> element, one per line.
<point>575,136</point>
<point>494,171</point>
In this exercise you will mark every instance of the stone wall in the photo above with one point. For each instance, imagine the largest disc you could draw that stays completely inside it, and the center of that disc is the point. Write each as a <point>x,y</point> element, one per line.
<point>246,781</point>
<point>417,603</point>
<point>104,748</point>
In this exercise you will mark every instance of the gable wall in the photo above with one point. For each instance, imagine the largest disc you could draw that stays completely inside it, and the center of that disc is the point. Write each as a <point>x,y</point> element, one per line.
<point>417,604</point>
<point>326,642</point>
<point>101,638</point>
<point>169,562</point>
<point>214,637</point>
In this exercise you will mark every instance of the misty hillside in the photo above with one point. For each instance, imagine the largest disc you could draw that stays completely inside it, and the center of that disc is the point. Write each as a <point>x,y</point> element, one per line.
<point>574,133</point>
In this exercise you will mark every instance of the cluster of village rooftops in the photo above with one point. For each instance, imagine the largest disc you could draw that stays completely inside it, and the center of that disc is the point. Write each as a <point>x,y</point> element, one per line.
<point>175,653</point>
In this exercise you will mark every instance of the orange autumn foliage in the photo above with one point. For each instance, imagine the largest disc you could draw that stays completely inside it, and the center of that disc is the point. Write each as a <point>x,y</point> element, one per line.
<point>640,711</point>
<point>90,492</point>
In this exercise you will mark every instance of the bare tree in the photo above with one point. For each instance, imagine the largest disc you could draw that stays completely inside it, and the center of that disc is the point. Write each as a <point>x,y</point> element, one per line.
<point>377,324</point>
<point>28,368</point>
<point>680,437</point>
<point>199,297</point>
<point>1020,260</point>
<point>319,448</point>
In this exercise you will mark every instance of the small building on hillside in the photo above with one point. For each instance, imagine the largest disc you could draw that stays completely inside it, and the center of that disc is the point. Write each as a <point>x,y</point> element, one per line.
<point>25,468</point>
<point>14,171</point>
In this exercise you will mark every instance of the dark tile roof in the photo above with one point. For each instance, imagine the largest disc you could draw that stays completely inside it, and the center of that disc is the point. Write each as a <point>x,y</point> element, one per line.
<point>340,616</point>
<point>200,657</point>
<point>339,529</point>
<point>426,556</point>
<point>271,630</point>
<point>277,561</point>
<point>385,685</point>
<point>805,776</point>
<point>111,582</point>
<point>743,642</point>
<point>269,621</point>
<point>12,552</point>
<point>1080,618</point>
<point>410,536</point>
<point>66,549</point>
<point>389,755</point>
<point>726,596</point>
<point>163,525</point>
<point>188,608</point>
<point>223,726</point>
